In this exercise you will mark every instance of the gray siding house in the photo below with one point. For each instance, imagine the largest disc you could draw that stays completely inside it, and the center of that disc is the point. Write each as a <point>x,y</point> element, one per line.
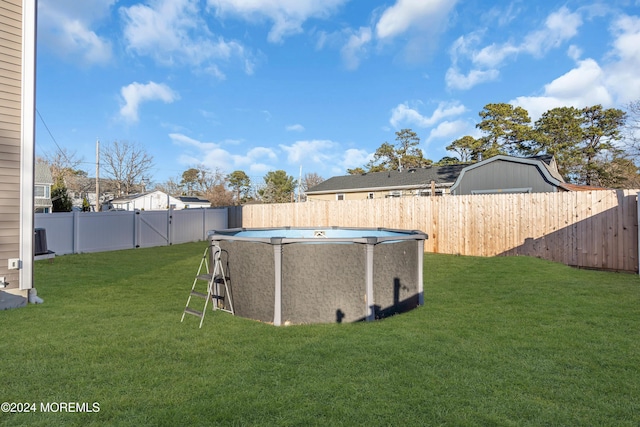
<point>42,188</point>
<point>17,113</point>
<point>506,174</point>
<point>498,174</point>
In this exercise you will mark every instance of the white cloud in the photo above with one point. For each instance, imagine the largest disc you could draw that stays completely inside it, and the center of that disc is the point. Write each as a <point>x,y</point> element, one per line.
<point>416,25</point>
<point>577,83</point>
<point>213,156</point>
<point>622,72</point>
<point>66,27</point>
<point>450,130</point>
<point>261,153</point>
<point>613,83</point>
<point>501,17</point>
<point>184,140</point>
<point>456,80</point>
<point>173,32</point>
<point>404,114</point>
<point>405,14</point>
<point>355,48</point>
<point>304,151</point>
<point>207,154</point>
<point>258,160</point>
<point>580,87</point>
<point>137,93</point>
<point>574,52</point>
<point>353,158</point>
<point>287,16</point>
<point>494,55</point>
<point>295,128</point>
<point>320,156</point>
<point>464,47</point>
<point>260,168</point>
<point>560,26</point>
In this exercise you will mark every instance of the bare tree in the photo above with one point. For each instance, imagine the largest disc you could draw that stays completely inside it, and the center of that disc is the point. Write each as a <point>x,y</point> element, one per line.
<point>309,180</point>
<point>203,182</point>
<point>126,163</point>
<point>64,163</point>
<point>171,187</point>
<point>219,195</point>
<point>632,129</point>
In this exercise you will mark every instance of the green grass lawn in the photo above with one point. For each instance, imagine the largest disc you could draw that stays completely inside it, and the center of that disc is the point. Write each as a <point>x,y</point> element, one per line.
<point>500,341</point>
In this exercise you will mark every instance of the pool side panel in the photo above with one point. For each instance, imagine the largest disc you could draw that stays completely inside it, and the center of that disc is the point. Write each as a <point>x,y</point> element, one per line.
<point>323,283</point>
<point>395,277</point>
<point>251,269</point>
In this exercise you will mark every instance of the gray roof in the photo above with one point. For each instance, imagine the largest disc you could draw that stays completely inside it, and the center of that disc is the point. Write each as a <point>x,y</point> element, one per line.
<point>192,199</point>
<point>545,164</point>
<point>408,178</point>
<point>43,173</point>
<point>129,197</point>
<point>550,163</point>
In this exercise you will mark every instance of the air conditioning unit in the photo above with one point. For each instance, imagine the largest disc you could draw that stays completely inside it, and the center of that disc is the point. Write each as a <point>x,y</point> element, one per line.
<point>41,242</point>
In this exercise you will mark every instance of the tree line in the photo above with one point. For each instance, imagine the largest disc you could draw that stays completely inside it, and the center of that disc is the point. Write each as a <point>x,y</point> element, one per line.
<point>127,166</point>
<point>236,188</point>
<point>592,146</point>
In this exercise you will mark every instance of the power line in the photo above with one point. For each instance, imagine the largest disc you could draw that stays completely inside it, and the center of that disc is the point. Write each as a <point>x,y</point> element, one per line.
<point>52,137</point>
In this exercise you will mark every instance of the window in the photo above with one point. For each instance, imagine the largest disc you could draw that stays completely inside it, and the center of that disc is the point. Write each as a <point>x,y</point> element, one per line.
<point>339,196</point>
<point>503,191</point>
<point>394,194</point>
<point>427,193</point>
<point>41,191</point>
<point>370,196</point>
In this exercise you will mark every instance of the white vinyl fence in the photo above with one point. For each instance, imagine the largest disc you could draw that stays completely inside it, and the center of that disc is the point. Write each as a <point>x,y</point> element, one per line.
<point>78,232</point>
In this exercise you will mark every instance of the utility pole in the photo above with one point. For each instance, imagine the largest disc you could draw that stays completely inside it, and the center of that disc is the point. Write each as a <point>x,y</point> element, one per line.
<point>97,175</point>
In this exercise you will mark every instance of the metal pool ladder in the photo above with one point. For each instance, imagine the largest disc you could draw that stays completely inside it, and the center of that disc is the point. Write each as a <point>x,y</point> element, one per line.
<point>214,281</point>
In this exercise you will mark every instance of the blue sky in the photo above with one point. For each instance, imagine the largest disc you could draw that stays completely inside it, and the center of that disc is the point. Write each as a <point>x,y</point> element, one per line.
<point>261,85</point>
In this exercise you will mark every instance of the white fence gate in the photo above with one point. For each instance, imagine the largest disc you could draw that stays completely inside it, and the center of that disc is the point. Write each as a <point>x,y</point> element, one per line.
<point>77,232</point>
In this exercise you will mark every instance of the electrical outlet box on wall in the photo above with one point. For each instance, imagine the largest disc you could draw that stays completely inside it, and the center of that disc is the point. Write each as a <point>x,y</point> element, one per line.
<point>14,264</point>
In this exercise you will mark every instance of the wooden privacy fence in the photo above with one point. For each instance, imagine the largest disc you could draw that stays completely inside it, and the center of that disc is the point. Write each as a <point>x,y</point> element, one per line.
<point>588,229</point>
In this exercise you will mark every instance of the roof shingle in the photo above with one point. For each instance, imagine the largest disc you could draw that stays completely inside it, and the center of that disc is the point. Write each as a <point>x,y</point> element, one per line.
<point>409,178</point>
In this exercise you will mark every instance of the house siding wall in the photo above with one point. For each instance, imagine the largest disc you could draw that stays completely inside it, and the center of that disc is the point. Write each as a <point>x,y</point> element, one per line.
<point>365,194</point>
<point>10,135</point>
<point>503,175</point>
<point>347,196</point>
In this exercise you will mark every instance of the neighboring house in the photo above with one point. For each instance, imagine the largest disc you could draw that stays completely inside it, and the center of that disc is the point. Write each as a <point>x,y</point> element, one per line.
<point>375,185</point>
<point>152,201</point>
<point>507,174</point>
<point>42,188</point>
<point>190,202</point>
<point>17,146</point>
<point>157,200</point>
<point>81,188</point>
<point>498,174</point>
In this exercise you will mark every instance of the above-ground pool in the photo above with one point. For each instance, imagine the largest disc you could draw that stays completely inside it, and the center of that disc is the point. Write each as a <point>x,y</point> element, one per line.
<point>321,275</point>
